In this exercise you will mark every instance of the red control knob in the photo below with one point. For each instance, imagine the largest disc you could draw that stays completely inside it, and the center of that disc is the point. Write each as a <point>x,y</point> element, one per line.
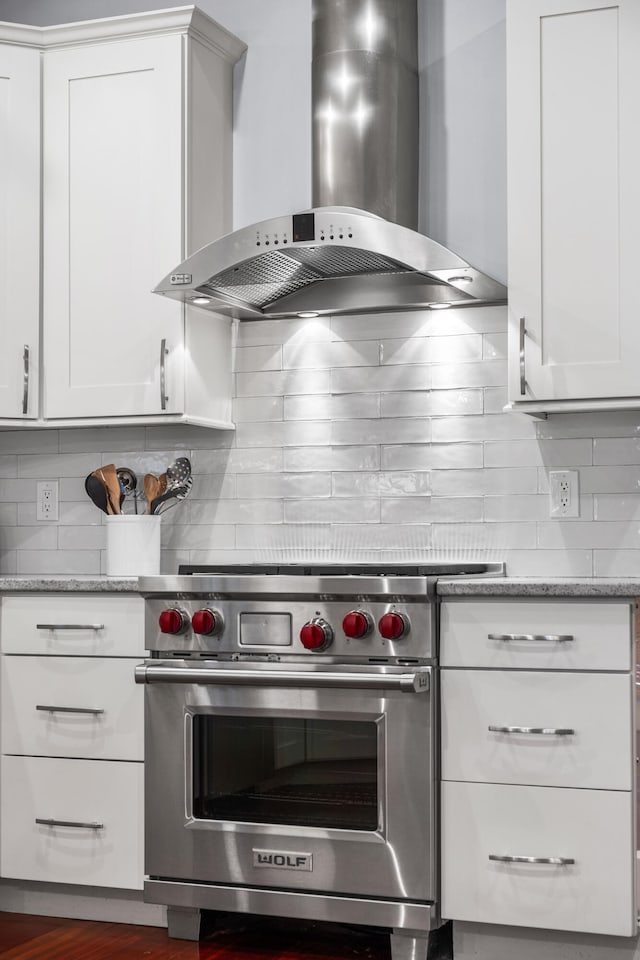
<point>392,626</point>
<point>356,624</point>
<point>316,635</point>
<point>172,621</point>
<point>206,622</point>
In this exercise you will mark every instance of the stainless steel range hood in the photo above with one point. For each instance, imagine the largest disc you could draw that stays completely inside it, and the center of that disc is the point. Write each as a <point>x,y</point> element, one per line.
<point>328,260</point>
<point>336,258</point>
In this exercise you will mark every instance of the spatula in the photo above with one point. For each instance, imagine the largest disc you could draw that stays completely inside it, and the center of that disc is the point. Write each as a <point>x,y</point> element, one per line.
<point>151,485</point>
<point>109,478</point>
<point>97,492</point>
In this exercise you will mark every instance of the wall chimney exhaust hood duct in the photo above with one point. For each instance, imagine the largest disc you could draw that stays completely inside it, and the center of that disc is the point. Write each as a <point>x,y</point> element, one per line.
<point>357,250</point>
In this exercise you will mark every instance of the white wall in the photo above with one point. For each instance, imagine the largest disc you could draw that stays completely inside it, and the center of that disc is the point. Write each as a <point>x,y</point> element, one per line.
<point>463,201</point>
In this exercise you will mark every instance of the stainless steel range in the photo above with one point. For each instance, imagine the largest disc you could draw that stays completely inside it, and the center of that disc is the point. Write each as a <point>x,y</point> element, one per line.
<point>291,720</point>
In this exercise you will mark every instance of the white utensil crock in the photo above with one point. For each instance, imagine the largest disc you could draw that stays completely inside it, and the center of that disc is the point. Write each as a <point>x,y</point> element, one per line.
<point>133,545</point>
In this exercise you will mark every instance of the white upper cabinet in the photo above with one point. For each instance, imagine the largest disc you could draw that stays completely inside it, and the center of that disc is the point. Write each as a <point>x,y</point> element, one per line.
<point>19,230</point>
<point>136,169</point>
<point>112,224</point>
<point>573,88</point>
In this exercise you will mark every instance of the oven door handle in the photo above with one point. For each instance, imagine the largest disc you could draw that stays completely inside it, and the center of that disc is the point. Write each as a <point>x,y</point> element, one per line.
<point>418,681</point>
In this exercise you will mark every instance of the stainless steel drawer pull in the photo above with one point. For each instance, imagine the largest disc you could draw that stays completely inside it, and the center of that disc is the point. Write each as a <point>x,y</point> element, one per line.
<point>417,682</point>
<point>69,626</point>
<point>532,637</point>
<point>25,380</point>
<point>94,711</point>
<point>523,378</point>
<point>91,825</point>
<point>555,861</point>
<point>541,731</point>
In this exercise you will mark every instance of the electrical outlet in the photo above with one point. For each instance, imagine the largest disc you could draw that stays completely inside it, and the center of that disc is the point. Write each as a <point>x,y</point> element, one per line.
<point>47,500</point>
<point>564,495</point>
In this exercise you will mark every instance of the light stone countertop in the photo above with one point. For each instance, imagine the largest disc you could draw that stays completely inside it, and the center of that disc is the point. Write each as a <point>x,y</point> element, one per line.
<point>447,587</point>
<point>67,584</point>
<point>628,587</point>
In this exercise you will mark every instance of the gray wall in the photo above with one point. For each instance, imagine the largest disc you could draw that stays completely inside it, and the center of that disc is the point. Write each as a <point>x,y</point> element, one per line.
<point>462,56</point>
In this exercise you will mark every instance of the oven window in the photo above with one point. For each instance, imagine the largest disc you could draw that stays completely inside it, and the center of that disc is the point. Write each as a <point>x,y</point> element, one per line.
<point>315,773</point>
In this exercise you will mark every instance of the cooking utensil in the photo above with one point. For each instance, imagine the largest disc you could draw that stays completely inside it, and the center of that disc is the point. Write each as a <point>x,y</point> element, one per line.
<point>97,492</point>
<point>151,484</point>
<point>172,496</point>
<point>109,477</point>
<point>178,471</point>
<point>128,484</point>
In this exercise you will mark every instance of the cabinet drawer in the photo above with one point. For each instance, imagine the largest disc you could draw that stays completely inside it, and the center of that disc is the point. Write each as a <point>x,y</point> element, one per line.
<point>111,726</point>
<point>597,707</point>
<point>593,827</point>
<point>494,634</point>
<point>95,625</point>
<point>109,794</point>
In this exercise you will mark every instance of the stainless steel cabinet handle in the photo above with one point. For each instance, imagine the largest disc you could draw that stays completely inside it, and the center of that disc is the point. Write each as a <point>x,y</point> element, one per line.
<point>539,731</point>
<point>94,711</point>
<point>532,637</point>
<point>69,626</point>
<point>163,374</point>
<point>556,861</point>
<point>91,825</point>
<point>25,380</point>
<point>418,682</point>
<point>523,380</point>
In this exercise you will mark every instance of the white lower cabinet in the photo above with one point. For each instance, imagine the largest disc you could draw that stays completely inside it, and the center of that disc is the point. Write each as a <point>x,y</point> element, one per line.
<point>71,784</point>
<point>538,764</point>
<point>71,707</point>
<point>486,716</point>
<point>72,821</point>
<point>592,828</point>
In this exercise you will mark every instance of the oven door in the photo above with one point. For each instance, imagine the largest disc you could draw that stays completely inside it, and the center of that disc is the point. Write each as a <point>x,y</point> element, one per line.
<point>316,779</point>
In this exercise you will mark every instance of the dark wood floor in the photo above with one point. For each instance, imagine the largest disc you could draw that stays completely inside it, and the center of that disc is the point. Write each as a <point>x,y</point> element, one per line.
<point>24,937</point>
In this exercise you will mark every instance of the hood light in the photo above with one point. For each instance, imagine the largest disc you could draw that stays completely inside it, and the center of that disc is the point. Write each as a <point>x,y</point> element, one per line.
<point>308,315</point>
<point>460,280</point>
<point>200,300</point>
<point>439,306</point>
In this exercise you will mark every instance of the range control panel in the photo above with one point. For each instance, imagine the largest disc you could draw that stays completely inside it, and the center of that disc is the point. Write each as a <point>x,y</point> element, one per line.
<point>341,629</point>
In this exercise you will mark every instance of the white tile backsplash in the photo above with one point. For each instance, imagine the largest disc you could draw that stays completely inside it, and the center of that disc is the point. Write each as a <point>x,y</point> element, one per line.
<point>391,483</point>
<point>553,454</point>
<point>483,373</point>
<point>258,358</point>
<point>283,383</point>
<point>431,403</point>
<point>358,438</point>
<point>366,457</point>
<point>255,409</point>
<point>345,406</point>
<point>337,353</point>
<point>392,377</point>
<point>8,466</point>
<point>431,456</point>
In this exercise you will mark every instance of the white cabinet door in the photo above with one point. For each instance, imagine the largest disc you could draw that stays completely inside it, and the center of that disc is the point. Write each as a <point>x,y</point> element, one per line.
<point>590,830</point>
<point>66,625</point>
<point>573,198</point>
<point>19,230</point>
<point>113,221</point>
<point>87,707</point>
<point>498,727</point>
<point>93,821</point>
<point>536,635</point>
